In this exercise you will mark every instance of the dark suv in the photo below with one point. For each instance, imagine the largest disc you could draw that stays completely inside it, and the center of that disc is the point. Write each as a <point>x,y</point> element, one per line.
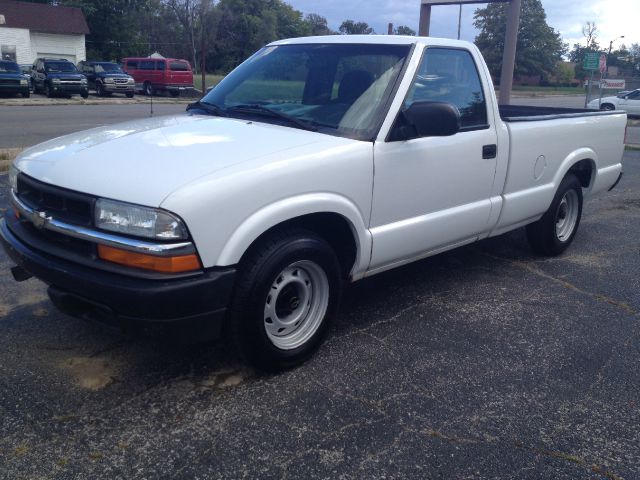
<point>107,78</point>
<point>58,77</point>
<point>12,80</point>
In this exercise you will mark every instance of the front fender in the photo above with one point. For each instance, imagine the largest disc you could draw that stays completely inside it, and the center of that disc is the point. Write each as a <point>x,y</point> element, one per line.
<point>289,208</point>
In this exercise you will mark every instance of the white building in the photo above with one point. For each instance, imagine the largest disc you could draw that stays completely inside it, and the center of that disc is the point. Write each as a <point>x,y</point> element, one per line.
<point>32,30</point>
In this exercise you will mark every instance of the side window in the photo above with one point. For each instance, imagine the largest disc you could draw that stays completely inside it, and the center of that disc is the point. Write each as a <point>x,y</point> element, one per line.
<point>160,65</point>
<point>450,75</point>
<point>146,65</point>
<point>132,64</point>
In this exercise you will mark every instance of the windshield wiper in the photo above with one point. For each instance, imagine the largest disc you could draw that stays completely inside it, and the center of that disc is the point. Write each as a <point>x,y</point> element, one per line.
<point>207,107</point>
<point>259,109</point>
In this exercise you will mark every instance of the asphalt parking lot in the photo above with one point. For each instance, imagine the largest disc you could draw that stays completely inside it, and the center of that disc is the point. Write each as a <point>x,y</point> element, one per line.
<point>484,362</point>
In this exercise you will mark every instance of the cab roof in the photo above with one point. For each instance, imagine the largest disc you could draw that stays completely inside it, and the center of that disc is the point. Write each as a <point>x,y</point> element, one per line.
<point>374,40</point>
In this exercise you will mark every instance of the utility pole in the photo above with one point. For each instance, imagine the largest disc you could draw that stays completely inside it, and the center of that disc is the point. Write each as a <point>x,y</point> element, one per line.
<point>459,20</point>
<point>511,37</point>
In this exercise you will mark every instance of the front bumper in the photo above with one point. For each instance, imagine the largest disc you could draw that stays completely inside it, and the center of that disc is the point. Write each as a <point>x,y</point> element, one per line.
<point>14,89</point>
<point>119,88</point>
<point>197,304</point>
<point>69,89</point>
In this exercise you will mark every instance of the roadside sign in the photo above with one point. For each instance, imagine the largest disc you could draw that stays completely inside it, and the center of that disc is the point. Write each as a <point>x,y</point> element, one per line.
<point>591,61</point>
<point>603,63</point>
<point>614,84</point>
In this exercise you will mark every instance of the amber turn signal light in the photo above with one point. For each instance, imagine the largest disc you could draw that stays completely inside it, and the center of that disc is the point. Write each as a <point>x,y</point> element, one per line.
<point>178,264</point>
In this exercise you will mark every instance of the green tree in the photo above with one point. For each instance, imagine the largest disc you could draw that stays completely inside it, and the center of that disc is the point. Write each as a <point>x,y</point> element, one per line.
<point>318,24</point>
<point>349,27</point>
<point>404,30</point>
<point>539,47</point>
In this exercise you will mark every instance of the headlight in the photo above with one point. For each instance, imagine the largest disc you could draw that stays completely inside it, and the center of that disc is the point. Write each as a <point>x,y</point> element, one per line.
<point>131,80</point>
<point>56,80</point>
<point>138,221</point>
<point>83,80</point>
<point>13,178</point>
<point>24,81</point>
<point>109,80</point>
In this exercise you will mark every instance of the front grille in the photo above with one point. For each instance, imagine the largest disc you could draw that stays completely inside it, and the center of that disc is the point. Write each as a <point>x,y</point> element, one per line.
<point>62,204</point>
<point>121,81</point>
<point>67,81</point>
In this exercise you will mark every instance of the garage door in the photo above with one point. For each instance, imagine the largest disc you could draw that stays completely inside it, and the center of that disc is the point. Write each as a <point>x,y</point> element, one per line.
<point>57,56</point>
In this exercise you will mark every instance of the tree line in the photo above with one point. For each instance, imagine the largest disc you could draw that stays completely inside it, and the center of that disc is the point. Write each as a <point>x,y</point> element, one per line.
<point>221,32</point>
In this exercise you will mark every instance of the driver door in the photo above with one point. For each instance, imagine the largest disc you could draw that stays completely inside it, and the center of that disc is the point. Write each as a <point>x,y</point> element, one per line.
<point>433,193</point>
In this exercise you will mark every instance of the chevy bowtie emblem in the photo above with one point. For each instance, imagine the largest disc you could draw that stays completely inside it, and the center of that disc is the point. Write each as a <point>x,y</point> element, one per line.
<point>40,219</point>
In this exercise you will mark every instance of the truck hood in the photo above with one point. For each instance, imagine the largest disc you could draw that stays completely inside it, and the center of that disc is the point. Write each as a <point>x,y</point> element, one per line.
<point>144,161</point>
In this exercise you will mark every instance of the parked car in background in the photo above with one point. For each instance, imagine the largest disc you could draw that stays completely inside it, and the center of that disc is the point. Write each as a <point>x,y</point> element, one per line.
<point>154,75</point>
<point>58,77</point>
<point>12,81</point>
<point>625,101</point>
<point>107,78</point>
<point>26,71</point>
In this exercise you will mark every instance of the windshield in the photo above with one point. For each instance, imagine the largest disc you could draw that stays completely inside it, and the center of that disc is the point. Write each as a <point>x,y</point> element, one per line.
<point>9,67</point>
<point>108,68</point>
<point>340,89</point>
<point>55,67</point>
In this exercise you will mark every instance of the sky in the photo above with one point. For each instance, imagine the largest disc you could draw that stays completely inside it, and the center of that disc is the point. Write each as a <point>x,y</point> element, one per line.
<point>613,17</point>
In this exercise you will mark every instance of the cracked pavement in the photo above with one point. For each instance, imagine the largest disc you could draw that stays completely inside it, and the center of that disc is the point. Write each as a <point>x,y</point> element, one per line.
<point>484,362</point>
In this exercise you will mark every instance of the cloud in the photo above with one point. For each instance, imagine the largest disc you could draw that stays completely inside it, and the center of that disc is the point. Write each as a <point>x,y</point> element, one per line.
<point>567,16</point>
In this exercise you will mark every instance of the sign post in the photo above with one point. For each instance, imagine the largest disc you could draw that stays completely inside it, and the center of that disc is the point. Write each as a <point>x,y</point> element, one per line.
<point>603,69</point>
<point>590,63</point>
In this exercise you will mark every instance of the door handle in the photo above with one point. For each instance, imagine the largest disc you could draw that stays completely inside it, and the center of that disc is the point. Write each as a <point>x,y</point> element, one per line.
<point>489,151</point>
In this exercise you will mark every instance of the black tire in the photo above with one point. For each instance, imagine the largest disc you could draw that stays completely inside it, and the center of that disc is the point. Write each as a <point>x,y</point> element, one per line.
<point>26,94</point>
<point>148,89</point>
<point>130,95</point>
<point>84,95</point>
<point>47,90</point>
<point>174,93</point>
<point>262,268</point>
<point>100,90</point>
<point>544,235</point>
<point>607,107</point>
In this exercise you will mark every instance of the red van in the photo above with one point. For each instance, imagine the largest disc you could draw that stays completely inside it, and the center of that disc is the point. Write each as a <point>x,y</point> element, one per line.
<point>154,75</point>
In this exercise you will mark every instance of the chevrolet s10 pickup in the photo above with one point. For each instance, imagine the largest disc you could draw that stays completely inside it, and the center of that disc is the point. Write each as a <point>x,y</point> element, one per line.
<point>317,162</point>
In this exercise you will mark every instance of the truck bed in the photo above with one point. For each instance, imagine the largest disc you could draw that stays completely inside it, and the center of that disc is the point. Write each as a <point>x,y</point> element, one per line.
<point>525,113</point>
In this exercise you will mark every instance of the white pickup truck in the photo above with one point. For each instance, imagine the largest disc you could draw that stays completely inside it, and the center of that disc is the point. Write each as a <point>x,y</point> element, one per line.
<point>317,162</point>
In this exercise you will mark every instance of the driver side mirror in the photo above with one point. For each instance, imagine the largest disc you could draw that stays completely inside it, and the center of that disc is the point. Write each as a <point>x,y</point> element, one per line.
<point>427,119</point>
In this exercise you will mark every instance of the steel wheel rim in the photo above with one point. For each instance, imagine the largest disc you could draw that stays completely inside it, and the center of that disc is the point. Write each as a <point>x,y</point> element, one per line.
<point>567,215</point>
<point>296,304</point>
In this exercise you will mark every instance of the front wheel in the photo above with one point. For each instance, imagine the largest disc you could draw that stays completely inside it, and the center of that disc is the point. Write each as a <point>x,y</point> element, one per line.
<point>148,89</point>
<point>48,91</point>
<point>554,232</point>
<point>100,91</point>
<point>286,295</point>
<point>607,107</point>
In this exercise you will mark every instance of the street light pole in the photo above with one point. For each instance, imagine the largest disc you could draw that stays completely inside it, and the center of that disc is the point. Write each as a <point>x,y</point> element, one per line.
<point>606,72</point>
<point>609,54</point>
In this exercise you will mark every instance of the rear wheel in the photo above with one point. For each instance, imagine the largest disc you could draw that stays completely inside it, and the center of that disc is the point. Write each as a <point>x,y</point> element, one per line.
<point>554,232</point>
<point>286,295</point>
<point>607,107</point>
